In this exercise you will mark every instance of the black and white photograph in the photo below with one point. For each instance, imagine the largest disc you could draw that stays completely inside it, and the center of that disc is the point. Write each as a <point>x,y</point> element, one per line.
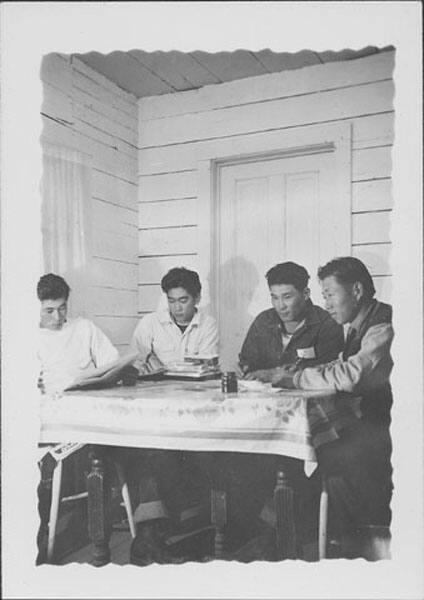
<point>223,239</point>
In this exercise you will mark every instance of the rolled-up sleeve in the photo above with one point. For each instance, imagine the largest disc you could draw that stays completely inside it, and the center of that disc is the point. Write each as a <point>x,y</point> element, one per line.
<point>367,369</point>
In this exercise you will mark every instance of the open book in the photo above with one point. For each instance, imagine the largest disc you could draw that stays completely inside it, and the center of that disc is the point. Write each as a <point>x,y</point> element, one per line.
<point>103,376</point>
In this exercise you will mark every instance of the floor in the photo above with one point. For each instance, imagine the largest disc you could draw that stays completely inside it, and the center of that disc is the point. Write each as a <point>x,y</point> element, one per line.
<point>119,548</point>
<point>121,540</point>
<point>73,545</point>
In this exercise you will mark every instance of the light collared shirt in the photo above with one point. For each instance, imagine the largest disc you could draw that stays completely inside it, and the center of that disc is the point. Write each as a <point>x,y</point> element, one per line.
<point>71,351</point>
<point>158,333</point>
<point>365,370</point>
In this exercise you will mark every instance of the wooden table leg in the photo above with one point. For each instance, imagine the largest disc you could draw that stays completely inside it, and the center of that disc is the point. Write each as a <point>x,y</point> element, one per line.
<point>99,517</point>
<point>47,466</point>
<point>284,510</point>
<point>219,519</point>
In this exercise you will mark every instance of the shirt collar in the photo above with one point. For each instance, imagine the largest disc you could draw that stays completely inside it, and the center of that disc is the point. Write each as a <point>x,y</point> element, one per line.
<point>165,317</point>
<point>299,326</point>
<point>54,331</point>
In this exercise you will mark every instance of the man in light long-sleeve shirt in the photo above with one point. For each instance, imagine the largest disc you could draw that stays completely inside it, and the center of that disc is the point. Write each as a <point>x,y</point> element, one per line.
<point>177,333</point>
<point>168,490</point>
<point>357,466</point>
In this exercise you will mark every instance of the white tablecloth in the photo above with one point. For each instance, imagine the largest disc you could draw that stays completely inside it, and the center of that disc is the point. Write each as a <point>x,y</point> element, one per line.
<point>197,416</point>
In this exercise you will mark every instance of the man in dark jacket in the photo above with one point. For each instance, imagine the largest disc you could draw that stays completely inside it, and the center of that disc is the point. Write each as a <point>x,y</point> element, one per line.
<point>357,466</point>
<point>294,330</point>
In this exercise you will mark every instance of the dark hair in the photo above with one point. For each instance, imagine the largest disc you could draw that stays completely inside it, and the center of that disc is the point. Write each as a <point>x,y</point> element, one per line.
<point>348,269</point>
<point>52,287</point>
<point>288,273</point>
<point>184,278</point>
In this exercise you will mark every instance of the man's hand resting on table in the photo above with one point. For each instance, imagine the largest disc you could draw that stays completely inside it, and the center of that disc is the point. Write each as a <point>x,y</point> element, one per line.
<point>129,375</point>
<point>283,376</point>
<point>264,375</point>
<point>241,371</point>
<point>279,376</point>
<point>150,366</point>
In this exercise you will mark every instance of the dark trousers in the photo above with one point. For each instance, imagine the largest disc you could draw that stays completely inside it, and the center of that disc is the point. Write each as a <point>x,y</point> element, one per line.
<point>164,484</point>
<point>249,481</point>
<point>358,471</point>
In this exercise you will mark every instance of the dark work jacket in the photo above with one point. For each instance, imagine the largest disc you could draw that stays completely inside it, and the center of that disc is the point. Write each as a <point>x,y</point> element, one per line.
<point>375,404</point>
<point>263,348</point>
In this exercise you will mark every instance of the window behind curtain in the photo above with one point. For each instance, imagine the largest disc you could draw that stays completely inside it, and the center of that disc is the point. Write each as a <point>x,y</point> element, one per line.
<point>66,201</point>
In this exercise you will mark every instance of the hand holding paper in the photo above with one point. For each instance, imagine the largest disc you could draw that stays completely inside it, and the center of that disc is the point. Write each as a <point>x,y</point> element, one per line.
<point>102,376</point>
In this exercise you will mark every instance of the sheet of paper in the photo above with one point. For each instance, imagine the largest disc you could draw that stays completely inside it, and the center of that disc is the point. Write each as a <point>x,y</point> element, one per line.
<point>104,375</point>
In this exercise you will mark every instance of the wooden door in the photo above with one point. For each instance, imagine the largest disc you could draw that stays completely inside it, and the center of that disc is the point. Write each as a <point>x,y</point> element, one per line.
<point>269,211</point>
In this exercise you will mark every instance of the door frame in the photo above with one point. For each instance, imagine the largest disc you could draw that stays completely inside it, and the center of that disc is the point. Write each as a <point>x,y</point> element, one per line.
<point>332,137</point>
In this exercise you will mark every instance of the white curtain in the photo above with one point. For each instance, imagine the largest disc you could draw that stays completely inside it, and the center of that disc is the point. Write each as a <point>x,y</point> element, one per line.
<point>66,201</point>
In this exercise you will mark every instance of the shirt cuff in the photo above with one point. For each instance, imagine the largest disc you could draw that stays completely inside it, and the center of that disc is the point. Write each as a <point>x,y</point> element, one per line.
<point>296,379</point>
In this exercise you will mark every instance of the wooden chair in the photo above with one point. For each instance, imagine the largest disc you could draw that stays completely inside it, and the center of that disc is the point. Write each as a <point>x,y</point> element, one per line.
<point>376,542</point>
<point>323,520</point>
<point>59,453</point>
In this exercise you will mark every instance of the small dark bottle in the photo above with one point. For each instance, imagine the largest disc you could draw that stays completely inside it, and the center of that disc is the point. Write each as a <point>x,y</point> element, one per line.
<point>229,382</point>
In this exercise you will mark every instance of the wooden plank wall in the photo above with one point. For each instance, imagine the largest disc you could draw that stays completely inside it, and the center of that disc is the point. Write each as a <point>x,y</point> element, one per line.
<point>85,111</point>
<point>175,129</point>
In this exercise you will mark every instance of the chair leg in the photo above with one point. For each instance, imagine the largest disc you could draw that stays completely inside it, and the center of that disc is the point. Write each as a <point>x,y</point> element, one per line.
<point>54,510</point>
<point>127,503</point>
<point>126,498</point>
<point>284,510</point>
<point>219,519</point>
<point>323,517</point>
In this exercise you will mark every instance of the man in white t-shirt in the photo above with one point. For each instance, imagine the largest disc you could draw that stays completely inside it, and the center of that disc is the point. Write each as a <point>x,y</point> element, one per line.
<point>66,348</point>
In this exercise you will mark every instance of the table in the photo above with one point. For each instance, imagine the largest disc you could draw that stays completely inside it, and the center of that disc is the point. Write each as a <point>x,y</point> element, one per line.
<point>194,416</point>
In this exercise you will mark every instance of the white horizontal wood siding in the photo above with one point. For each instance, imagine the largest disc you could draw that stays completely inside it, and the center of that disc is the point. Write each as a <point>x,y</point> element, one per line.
<point>177,130</point>
<point>84,110</point>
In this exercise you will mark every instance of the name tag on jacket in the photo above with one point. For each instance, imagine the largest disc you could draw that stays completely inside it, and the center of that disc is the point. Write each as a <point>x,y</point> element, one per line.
<point>306,352</point>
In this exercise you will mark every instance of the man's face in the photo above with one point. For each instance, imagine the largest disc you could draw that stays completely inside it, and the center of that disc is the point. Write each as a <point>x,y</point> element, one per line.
<point>340,300</point>
<point>288,301</point>
<point>53,313</point>
<point>182,305</point>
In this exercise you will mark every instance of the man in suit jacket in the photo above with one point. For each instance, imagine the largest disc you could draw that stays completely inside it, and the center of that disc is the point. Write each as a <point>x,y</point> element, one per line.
<point>357,466</point>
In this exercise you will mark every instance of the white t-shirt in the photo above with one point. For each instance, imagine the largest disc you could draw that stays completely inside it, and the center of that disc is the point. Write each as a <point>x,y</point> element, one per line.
<point>69,352</point>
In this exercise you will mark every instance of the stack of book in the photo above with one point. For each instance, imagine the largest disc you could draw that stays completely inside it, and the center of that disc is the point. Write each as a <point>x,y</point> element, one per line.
<point>193,368</point>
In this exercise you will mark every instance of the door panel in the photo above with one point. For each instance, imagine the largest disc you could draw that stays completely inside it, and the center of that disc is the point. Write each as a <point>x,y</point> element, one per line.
<point>268,211</point>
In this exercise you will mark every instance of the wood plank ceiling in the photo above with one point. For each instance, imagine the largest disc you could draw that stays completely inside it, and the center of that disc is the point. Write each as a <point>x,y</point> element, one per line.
<point>155,73</point>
